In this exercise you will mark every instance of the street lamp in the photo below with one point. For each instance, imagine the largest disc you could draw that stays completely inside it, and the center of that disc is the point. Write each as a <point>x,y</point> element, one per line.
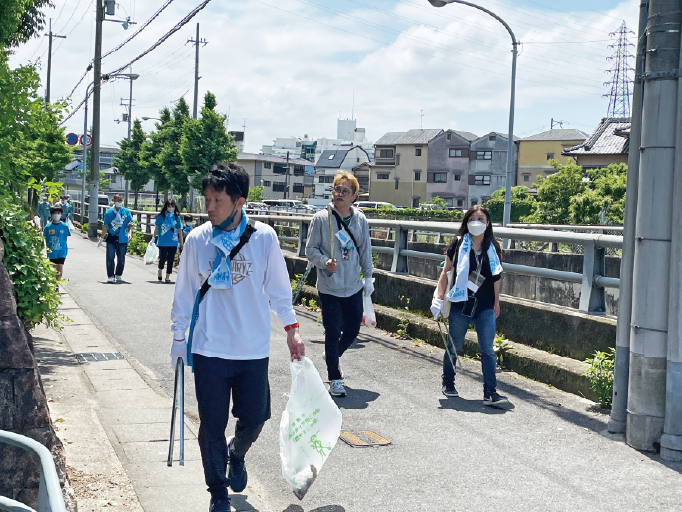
<point>131,77</point>
<point>510,148</point>
<point>144,118</point>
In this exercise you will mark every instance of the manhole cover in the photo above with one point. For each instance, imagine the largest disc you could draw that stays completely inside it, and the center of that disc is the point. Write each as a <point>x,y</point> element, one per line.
<point>92,357</point>
<point>363,438</point>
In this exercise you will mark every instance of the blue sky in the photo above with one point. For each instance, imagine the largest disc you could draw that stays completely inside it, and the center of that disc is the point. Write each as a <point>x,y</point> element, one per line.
<point>292,67</point>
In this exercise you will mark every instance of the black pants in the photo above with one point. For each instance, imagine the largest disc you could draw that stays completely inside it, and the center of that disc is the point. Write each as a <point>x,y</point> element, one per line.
<point>167,255</point>
<point>341,317</point>
<point>214,379</point>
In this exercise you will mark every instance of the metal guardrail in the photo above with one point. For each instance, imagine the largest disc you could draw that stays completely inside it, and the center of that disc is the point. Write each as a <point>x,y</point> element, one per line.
<point>594,246</point>
<point>50,498</point>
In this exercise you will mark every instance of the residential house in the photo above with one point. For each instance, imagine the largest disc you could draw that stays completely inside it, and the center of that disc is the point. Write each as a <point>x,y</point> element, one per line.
<point>488,166</point>
<point>608,144</point>
<point>536,151</point>
<point>398,175</point>
<point>281,178</point>
<point>447,167</point>
<point>350,158</point>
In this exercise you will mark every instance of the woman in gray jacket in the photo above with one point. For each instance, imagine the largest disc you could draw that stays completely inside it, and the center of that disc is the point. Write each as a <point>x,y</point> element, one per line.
<point>338,274</point>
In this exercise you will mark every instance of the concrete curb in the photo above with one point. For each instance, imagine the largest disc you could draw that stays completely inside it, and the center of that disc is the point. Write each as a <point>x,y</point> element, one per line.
<point>560,372</point>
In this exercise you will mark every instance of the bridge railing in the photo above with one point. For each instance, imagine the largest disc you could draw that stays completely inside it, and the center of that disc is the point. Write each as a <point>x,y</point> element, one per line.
<point>593,245</point>
<point>50,498</point>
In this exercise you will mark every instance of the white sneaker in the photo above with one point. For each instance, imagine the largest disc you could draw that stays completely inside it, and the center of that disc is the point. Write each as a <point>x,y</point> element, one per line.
<point>119,279</point>
<point>111,280</point>
<point>336,388</point>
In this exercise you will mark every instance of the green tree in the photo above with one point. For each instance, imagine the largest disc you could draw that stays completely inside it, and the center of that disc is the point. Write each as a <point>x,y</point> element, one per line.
<point>555,192</point>
<point>522,204</point>
<point>170,157</point>
<point>437,201</point>
<point>255,194</point>
<point>150,152</point>
<point>128,159</point>
<point>205,142</point>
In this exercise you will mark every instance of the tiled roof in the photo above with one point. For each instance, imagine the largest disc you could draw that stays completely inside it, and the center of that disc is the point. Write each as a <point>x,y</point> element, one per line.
<point>273,158</point>
<point>418,136</point>
<point>503,135</point>
<point>606,139</point>
<point>389,138</point>
<point>467,135</point>
<point>559,135</point>
<point>332,158</point>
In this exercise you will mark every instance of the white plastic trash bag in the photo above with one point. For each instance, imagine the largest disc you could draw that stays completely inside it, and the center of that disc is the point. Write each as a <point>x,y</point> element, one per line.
<point>310,427</point>
<point>151,254</point>
<point>69,224</point>
<point>369,318</point>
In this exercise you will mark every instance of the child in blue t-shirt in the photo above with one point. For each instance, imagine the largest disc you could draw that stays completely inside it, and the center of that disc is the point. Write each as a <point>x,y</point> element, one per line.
<point>55,234</point>
<point>188,225</point>
<point>169,232</point>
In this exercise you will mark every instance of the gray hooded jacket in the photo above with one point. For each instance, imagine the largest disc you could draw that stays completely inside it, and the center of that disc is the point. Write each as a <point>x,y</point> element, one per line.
<point>346,280</point>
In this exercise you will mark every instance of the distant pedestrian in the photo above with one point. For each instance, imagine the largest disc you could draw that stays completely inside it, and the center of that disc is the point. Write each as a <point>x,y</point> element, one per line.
<point>188,220</point>
<point>169,232</point>
<point>475,296</point>
<point>239,266</point>
<point>118,223</point>
<point>44,211</point>
<point>69,215</point>
<point>55,233</point>
<point>338,280</point>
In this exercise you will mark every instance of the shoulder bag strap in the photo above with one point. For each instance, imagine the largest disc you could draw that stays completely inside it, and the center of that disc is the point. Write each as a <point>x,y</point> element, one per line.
<point>342,224</point>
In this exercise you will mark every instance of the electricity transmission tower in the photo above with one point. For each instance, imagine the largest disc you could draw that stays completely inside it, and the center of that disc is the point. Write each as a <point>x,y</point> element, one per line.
<point>619,96</point>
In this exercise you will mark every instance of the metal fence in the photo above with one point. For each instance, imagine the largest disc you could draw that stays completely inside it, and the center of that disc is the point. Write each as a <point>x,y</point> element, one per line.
<point>50,498</point>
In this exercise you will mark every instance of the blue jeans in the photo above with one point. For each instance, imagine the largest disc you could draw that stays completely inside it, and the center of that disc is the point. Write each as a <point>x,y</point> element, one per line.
<point>341,317</point>
<point>484,322</point>
<point>215,379</point>
<point>118,250</point>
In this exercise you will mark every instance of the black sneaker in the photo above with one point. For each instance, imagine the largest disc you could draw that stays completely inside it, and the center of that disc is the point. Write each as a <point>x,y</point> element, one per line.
<point>449,390</point>
<point>495,399</point>
<point>219,504</point>
<point>237,473</point>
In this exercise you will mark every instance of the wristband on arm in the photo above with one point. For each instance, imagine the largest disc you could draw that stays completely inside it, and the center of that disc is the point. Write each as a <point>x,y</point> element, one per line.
<point>287,328</point>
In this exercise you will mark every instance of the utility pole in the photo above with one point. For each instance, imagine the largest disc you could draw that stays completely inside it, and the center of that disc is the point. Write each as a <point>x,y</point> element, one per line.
<point>49,61</point>
<point>651,338</point>
<point>619,96</point>
<point>286,177</point>
<point>195,110</point>
<point>94,154</point>
<point>130,120</point>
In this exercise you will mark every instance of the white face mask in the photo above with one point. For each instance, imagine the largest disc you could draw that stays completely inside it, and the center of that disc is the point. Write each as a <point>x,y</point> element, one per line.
<point>476,227</point>
<point>171,210</point>
<point>188,224</point>
<point>56,216</point>
<point>118,204</point>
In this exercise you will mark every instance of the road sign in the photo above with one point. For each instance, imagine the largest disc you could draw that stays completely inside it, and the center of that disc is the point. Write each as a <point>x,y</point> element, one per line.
<point>72,139</point>
<point>88,138</point>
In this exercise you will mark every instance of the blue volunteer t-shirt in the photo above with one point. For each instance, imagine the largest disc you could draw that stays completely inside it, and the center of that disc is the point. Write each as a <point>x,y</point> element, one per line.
<point>169,226</point>
<point>117,225</point>
<point>186,230</point>
<point>55,239</point>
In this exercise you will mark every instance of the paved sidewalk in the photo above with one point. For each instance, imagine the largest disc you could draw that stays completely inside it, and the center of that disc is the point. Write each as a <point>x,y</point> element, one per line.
<point>106,413</point>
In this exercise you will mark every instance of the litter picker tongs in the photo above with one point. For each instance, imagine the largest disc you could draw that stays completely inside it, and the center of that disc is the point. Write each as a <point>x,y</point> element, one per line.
<point>447,341</point>
<point>178,404</point>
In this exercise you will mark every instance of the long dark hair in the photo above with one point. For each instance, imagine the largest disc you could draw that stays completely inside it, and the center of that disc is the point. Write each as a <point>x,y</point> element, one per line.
<point>488,236</point>
<point>164,210</point>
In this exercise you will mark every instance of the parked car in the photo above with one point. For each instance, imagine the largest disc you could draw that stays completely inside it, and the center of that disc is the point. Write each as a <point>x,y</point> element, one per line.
<point>373,205</point>
<point>257,208</point>
<point>102,200</point>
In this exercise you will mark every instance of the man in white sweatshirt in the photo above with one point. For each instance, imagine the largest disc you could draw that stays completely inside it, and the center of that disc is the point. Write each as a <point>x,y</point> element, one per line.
<point>228,344</point>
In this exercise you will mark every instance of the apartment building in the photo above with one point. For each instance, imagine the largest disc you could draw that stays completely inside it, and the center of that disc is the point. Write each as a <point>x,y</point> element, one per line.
<point>488,166</point>
<point>536,151</point>
<point>281,178</point>
<point>447,169</point>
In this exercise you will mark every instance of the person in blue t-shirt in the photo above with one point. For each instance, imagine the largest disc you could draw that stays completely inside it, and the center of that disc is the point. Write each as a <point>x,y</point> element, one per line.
<point>188,225</point>
<point>118,222</point>
<point>55,234</point>
<point>44,211</point>
<point>169,232</point>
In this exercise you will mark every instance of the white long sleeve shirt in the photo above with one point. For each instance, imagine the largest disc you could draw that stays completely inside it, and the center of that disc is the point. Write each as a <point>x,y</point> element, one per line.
<point>233,323</point>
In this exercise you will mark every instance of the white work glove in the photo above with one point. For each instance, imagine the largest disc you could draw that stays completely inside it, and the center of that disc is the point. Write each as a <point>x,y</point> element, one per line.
<point>130,236</point>
<point>178,350</point>
<point>436,307</point>
<point>369,285</point>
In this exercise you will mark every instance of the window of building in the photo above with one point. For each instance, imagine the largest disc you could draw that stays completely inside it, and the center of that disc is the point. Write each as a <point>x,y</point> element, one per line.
<point>385,153</point>
<point>299,170</point>
<point>492,137</point>
<point>383,176</point>
<point>280,169</point>
<point>482,179</point>
<point>326,197</point>
<point>267,183</point>
<point>298,187</point>
<point>550,156</point>
<point>325,179</point>
<point>455,153</point>
<point>474,202</point>
<point>417,151</point>
<point>449,136</point>
<point>440,177</point>
<point>526,177</point>
<point>397,183</point>
<point>417,176</point>
<point>279,186</point>
<point>460,202</point>
<point>267,165</point>
<point>458,177</point>
<point>484,155</point>
<point>415,202</point>
<point>331,157</point>
<point>448,201</point>
<point>113,179</point>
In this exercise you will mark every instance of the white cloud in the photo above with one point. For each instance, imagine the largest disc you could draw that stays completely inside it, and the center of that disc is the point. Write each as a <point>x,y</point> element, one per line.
<point>289,75</point>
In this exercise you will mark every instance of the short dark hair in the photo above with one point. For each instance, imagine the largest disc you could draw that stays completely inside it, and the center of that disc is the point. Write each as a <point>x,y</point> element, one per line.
<point>231,178</point>
<point>188,217</point>
<point>56,208</point>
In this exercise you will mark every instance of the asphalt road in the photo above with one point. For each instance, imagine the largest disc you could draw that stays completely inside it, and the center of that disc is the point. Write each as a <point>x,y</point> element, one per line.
<point>549,452</point>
